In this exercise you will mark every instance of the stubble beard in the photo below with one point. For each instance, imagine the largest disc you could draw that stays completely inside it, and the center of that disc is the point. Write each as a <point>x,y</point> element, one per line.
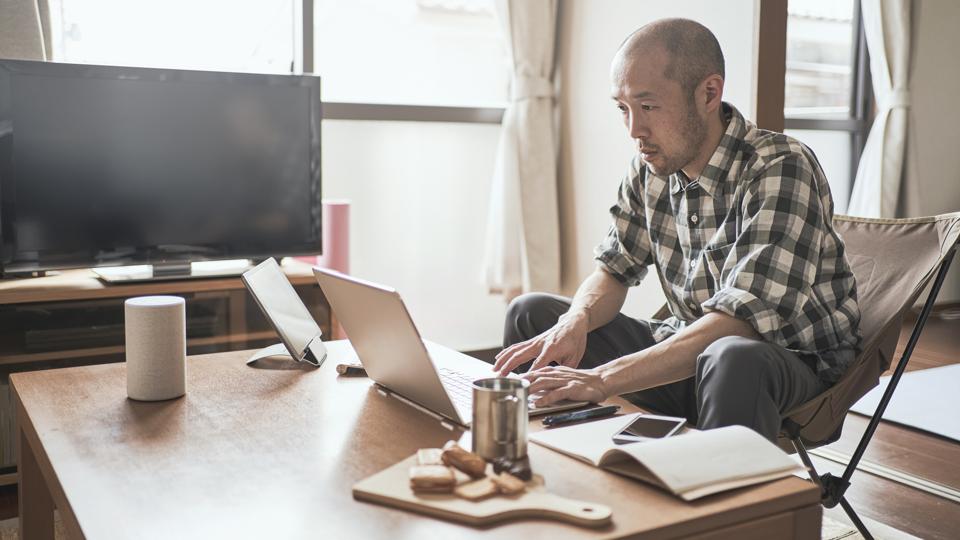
<point>693,132</point>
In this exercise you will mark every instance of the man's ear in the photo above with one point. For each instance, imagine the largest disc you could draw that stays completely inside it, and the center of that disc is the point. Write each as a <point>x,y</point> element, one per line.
<point>713,92</point>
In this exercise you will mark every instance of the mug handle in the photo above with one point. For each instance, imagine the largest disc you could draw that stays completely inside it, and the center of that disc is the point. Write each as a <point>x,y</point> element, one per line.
<point>501,422</point>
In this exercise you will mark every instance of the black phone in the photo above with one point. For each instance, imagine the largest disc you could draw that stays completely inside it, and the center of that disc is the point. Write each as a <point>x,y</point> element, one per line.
<point>649,426</point>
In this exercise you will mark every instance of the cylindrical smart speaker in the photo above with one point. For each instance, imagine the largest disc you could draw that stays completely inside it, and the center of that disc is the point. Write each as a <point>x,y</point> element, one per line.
<point>155,328</point>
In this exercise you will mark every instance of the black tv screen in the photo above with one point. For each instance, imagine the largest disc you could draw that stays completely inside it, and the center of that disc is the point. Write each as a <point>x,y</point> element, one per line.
<point>105,165</point>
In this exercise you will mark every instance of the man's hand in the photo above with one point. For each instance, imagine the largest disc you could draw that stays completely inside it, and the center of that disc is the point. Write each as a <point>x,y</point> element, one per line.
<point>564,344</point>
<point>561,382</point>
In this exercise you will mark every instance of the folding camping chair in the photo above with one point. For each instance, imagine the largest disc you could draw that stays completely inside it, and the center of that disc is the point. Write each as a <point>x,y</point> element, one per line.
<point>893,261</point>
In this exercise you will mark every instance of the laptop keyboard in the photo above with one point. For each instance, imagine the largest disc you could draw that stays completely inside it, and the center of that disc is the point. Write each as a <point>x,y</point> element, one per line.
<point>459,386</point>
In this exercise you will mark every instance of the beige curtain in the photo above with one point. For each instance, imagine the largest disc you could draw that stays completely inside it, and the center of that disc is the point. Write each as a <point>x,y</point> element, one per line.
<point>876,189</point>
<point>22,35</point>
<point>523,239</point>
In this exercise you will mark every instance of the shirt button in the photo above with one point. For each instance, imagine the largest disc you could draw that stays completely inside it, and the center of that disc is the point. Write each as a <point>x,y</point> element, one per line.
<point>693,264</point>
<point>694,219</point>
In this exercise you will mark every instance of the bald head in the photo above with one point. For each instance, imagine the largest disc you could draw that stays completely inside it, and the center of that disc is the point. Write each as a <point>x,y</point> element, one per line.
<point>692,50</point>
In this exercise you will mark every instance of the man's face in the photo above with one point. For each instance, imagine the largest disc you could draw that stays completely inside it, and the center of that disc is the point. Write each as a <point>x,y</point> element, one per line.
<point>659,114</point>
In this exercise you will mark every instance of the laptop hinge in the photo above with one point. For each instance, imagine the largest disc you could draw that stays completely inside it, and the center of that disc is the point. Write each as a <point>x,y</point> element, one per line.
<point>444,421</point>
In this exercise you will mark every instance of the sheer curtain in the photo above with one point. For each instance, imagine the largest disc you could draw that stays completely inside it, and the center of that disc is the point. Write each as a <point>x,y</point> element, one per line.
<point>523,239</point>
<point>22,30</point>
<point>876,189</point>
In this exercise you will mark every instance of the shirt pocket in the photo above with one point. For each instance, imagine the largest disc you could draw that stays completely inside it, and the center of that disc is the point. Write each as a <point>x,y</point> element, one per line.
<point>715,257</point>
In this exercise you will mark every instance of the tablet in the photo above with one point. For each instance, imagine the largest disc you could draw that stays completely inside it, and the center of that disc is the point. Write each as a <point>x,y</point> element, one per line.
<point>281,306</point>
<point>649,426</point>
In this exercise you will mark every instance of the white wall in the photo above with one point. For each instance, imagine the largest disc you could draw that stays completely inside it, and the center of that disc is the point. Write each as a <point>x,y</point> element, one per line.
<point>933,171</point>
<point>419,194</point>
<point>595,149</point>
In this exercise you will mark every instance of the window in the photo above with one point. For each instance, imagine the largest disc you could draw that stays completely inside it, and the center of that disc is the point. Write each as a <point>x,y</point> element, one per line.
<point>224,35</point>
<point>826,88</point>
<point>418,186</point>
<point>424,52</point>
<point>411,52</point>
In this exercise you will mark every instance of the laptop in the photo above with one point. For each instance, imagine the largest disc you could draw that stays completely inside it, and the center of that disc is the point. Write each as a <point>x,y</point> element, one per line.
<point>433,378</point>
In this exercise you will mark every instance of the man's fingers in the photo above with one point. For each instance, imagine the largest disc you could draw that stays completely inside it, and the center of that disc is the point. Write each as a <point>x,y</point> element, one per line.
<point>555,395</point>
<point>541,361</point>
<point>550,353</point>
<point>512,348</point>
<point>546,383</point>
<point>508,363</point>
<point>546,371</point>
<point>508,355</point>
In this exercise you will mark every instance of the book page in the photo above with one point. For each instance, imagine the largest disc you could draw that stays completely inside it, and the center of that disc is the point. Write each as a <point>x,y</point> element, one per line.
<point>699,459</point>
<point>587,441</point>
<point>690,465</point>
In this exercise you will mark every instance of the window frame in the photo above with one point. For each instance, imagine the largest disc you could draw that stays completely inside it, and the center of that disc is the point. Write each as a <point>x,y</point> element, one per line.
<point>333,110</point>
<point>858,124</point>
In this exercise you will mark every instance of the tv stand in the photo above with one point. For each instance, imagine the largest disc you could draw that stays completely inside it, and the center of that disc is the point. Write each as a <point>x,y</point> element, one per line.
<point>73,318</point>
<point>27,275</point>
<point>172,271</point>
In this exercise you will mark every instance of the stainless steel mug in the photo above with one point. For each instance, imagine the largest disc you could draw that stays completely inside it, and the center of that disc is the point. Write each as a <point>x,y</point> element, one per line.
<point>500,418</point>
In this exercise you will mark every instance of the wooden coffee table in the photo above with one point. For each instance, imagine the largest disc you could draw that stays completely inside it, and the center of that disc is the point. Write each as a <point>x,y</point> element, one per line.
<point>256,453</point>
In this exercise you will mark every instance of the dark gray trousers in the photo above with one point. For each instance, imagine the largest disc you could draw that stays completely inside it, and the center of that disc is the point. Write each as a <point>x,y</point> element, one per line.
<point>738,380</point>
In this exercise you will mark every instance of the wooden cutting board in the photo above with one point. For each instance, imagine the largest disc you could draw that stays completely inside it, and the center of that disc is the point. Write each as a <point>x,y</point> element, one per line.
<point>391,487</point>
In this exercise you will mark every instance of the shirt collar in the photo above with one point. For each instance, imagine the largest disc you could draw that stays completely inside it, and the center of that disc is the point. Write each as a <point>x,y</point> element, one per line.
<point>714,174</point>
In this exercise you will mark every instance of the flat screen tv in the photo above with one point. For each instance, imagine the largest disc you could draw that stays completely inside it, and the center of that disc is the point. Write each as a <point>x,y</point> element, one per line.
<point>107,165</point>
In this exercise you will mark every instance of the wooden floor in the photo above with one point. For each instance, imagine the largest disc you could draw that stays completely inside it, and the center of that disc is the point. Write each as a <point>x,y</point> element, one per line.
<point>899,506</point>
<point>930,457</point>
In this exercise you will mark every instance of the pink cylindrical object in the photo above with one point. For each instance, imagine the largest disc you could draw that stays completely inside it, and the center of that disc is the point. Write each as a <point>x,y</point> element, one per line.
<point>336,236</point>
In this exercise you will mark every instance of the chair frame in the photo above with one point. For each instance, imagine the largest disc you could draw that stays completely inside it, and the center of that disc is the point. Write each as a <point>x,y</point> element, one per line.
<point>832,488</point>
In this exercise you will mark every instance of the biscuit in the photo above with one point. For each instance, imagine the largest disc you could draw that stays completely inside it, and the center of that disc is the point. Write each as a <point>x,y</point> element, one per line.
<point>476,490</point>
<point>508,484</point>
<point>432,478</point>
<point>429,456</point>
<point>468,462</point>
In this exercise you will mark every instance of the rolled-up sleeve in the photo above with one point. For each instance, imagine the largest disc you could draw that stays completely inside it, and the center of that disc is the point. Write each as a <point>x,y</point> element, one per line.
<point>768,274</point>
<point>625,251</point>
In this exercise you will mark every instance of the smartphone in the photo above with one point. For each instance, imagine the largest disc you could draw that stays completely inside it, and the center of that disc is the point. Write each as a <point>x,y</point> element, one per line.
<point>649,426</point>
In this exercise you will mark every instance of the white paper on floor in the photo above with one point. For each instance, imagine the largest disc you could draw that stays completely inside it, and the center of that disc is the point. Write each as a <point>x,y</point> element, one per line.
<point>926,399</point>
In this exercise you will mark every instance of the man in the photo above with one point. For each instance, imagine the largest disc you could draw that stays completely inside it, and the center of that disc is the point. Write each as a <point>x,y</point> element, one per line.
<point>737,222</point>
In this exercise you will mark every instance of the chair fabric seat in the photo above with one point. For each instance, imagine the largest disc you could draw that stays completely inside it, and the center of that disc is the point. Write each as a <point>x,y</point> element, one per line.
<point>893,262</point>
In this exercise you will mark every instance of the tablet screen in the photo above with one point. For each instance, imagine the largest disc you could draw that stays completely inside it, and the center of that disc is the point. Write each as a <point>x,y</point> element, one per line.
<point>651,428</point>
<point>282,307</point>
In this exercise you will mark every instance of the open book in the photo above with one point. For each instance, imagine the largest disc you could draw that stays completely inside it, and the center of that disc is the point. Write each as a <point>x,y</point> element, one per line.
<point>691,465</point>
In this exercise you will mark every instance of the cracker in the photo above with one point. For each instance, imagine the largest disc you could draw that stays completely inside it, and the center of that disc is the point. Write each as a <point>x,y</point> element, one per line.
<point>432,478</point>
<point>508,484</point>
<point>476,490</point>
<point>429,456</point>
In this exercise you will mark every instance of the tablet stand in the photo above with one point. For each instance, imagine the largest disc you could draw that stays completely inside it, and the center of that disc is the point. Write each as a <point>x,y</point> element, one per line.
<point>277,350</point>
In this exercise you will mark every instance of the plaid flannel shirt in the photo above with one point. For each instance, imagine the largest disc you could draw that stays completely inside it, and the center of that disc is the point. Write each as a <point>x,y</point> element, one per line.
<point>752,237</point>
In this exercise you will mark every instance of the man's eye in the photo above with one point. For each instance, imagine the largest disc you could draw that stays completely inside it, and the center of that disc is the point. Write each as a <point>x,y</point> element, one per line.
<point>647,107</point>
<point>622,109</point>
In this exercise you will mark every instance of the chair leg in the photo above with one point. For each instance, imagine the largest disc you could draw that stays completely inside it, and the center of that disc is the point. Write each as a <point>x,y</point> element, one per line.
<point>900,367</point>
<point>855,519</point>
<point>805,458</point>
<point>831,489</point>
